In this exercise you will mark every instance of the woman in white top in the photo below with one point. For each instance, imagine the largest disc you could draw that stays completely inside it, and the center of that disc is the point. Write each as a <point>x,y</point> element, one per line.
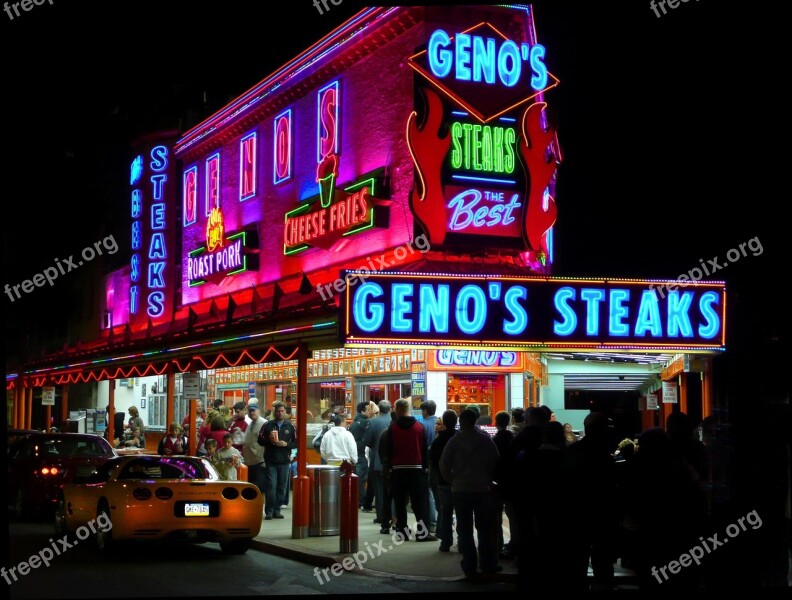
<point>338,444</point>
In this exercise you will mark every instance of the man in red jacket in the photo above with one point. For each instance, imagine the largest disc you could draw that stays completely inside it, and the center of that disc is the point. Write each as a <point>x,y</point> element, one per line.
<point>408,455</point>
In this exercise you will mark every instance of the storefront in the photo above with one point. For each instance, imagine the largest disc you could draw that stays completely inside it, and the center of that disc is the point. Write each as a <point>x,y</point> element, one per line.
<point>372,221</point>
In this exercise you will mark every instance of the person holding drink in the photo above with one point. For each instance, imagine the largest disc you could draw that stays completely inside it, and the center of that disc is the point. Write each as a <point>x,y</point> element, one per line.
<point>278,437</point>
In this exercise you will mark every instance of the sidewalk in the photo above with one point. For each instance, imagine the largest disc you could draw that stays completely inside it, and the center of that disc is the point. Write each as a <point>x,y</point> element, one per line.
<point>410,560</point>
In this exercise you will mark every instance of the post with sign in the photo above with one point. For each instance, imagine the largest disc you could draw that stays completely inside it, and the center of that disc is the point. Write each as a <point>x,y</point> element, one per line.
<point>48,400</point>
<point>191,390</point>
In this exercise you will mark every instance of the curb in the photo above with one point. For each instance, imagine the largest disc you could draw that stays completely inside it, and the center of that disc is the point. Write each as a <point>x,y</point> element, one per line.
<point>320,559</point>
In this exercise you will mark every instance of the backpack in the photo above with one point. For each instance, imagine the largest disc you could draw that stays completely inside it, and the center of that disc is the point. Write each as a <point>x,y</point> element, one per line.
<point>317,443</point>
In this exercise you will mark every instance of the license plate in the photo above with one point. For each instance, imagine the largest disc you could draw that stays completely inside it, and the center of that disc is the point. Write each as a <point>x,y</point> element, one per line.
<point>196,509</point>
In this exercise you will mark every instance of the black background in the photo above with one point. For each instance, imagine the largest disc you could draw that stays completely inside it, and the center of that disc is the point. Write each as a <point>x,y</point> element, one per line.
<point>671,129</point>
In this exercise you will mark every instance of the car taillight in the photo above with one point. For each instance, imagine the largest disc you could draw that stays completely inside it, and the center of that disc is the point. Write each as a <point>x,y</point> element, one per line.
<point>163,493</point>
<point>230,493</point>
<point>50,471</point>
<point>249,493</point>
<point>141,493</point>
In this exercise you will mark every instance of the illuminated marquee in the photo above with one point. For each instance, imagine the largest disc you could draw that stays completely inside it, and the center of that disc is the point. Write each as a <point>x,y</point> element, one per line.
<point>532,312</point>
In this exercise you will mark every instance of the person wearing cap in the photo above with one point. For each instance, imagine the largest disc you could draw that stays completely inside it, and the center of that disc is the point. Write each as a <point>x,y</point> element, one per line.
<point>252,452</point>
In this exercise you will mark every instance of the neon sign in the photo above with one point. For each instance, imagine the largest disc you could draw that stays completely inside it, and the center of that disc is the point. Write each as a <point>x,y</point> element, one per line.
<point>229,258</point>
<point>327,121</point>
<point>247,167</point>
<point>190,195</point>
<point>531,312</point>
<point>487,212</point>
<point>485,148</point>
<point>212,183</point>
<point>475,358</point>
<point>481,59</point>
<point>215,229</point>
<point>282,153</point>
<point>483,70</point>
<point>136,170</point>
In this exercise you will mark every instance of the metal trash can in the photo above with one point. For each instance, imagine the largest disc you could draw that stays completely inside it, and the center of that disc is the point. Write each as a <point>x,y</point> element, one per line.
<point>324,511</point>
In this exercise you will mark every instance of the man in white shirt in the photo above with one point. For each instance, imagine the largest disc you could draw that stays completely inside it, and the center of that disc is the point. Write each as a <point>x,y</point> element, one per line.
<point>338,444</point>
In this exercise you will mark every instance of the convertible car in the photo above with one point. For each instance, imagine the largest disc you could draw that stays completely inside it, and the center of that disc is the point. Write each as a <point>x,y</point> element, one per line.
<point>148,497</point>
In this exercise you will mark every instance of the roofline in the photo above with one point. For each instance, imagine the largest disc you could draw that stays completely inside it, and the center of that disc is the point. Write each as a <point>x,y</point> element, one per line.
<point>251,99</point>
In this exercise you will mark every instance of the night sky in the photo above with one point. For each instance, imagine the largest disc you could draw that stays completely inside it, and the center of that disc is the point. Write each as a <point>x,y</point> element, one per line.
<point>658,121</point>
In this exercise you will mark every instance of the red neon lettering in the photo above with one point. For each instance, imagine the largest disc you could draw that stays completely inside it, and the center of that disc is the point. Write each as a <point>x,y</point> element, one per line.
<point>282,148</point>
<point>327,140</point>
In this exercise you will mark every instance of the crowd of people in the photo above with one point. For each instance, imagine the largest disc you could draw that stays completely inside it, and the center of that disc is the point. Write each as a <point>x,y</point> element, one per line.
<point>570,501</point>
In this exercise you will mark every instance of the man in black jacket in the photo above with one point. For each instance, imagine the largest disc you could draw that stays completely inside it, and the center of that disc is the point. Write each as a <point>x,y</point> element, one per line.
<point>278,437</point>
<point>358,431</point>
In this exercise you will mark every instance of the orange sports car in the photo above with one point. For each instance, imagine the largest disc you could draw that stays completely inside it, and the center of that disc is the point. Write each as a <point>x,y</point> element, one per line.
<point>148,497</point>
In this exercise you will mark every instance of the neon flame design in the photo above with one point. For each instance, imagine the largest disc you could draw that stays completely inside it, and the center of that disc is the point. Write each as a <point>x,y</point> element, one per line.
<point>428,152</point>
<point>540,211</point>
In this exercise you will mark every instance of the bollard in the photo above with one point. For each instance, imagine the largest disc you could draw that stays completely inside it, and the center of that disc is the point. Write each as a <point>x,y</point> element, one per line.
<point>349,508</point>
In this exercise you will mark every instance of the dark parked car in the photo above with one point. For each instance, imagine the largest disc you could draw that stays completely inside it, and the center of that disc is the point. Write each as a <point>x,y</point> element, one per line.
<point>39,462</point>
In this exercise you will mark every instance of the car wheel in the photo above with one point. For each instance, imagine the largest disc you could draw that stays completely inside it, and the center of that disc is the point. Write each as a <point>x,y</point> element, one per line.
<point>104,537</point>
<point>60,517</point>
<point>235,546</point>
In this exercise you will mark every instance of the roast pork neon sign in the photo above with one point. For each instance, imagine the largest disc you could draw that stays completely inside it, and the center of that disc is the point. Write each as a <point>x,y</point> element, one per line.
<point>535,312</point>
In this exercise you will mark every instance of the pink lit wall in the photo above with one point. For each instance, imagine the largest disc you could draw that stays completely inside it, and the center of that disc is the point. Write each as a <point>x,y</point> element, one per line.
<point>376,98</point>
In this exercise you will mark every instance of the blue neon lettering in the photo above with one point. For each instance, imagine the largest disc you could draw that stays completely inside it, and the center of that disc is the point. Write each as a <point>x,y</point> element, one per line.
<point>136,170</point>
<point>678,317</point>
<point>484,59</point>
<point>434,308</point>
<point>401,306</point>
<point>618,312</point>
<point>440,58</point>
<point>136,235</point>
<point>158,216</point>
<point>159,155</point>
<point>156,304</point>
<point>494,289</point>
<point>476,323</point>
<point>368,315</point>
<point>592,298</point>
<point>711,329</point>
<point>134,274</point>
<point>155,276</point>
<point>137,204</point>
<point>158,181</point>
<point>157,247</point>
<point>539,78</point>
<point>463,57</point>
<point>133,299</point>
<point>519,317</point>
<point>561,301</point>
<point>649,315</point>
<point>509,73</point>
